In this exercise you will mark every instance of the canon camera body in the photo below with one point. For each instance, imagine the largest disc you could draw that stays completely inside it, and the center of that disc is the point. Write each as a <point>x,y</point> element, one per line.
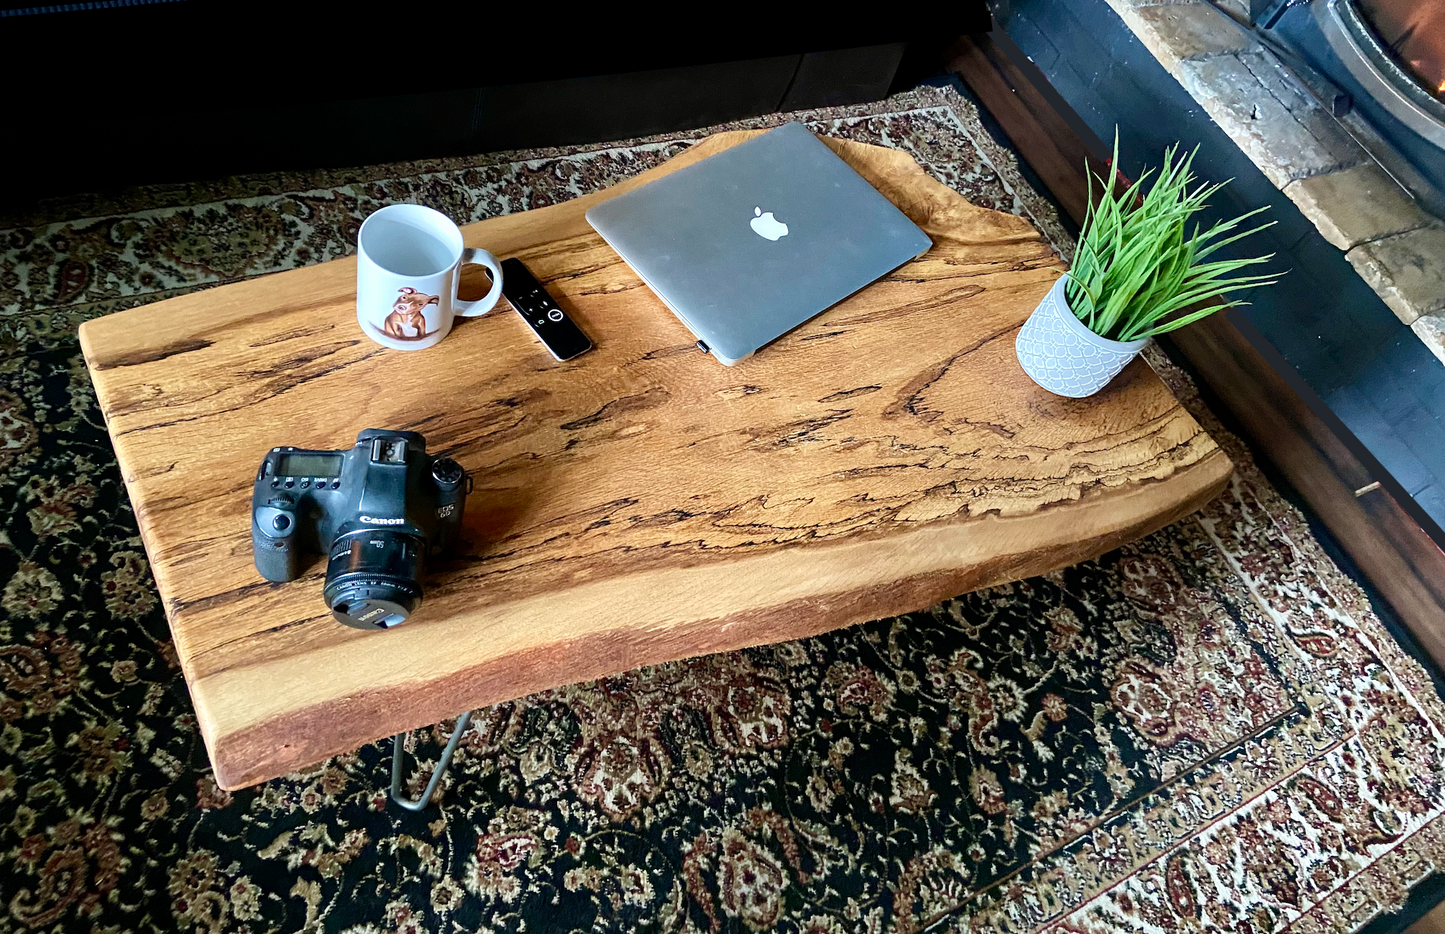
<point>377,511</point>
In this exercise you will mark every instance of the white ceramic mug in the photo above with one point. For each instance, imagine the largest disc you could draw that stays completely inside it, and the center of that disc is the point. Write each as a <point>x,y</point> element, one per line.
<point>408,268</point>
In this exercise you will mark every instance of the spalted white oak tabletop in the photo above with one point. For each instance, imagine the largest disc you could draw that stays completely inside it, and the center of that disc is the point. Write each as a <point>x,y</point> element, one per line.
<point>638,504</point>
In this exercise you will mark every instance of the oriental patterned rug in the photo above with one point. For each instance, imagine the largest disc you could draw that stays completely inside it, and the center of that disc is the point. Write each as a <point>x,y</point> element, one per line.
<point>1208,730</point>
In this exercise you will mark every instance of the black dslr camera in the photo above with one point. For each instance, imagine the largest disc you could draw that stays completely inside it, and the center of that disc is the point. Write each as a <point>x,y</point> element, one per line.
<point>378,511</point>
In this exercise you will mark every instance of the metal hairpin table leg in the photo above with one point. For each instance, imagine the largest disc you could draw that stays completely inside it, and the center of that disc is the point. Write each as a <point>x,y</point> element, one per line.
<point>436,775</point>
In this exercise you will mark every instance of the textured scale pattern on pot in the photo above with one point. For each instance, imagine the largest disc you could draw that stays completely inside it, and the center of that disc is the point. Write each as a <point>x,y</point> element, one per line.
<point>1059,358</point>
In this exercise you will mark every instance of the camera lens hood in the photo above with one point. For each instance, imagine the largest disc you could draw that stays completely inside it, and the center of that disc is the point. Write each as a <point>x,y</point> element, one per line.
<point>373,578</point>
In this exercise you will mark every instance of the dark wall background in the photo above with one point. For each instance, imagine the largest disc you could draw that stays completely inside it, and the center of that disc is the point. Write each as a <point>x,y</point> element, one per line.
<point>184,90</point>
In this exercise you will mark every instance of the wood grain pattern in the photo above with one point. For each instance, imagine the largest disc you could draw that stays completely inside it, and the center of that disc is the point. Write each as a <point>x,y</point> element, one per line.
<point>641,503</point>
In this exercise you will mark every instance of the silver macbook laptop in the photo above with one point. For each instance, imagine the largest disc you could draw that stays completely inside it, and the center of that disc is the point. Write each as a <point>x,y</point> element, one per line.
<point>748,244</point>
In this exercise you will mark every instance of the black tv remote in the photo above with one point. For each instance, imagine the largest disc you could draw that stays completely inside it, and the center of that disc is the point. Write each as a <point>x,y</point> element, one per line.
<point>558,333</point>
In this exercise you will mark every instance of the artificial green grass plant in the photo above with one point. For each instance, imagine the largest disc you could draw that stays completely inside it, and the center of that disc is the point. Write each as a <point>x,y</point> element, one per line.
<point>1136,271</point>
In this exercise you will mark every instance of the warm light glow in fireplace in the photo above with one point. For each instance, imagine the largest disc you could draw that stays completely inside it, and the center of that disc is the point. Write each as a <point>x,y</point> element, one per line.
<point>1414,31</point>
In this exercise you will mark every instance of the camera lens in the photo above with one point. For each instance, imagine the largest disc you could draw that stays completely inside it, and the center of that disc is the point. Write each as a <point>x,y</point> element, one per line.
<point>373,578</point>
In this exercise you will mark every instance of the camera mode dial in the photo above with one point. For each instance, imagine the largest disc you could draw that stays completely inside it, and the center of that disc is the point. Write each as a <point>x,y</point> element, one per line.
<point>447,472</point>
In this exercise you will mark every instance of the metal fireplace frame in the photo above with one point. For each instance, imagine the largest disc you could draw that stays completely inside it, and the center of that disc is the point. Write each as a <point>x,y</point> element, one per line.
<point>1365,62</point>
<point>1371,65</point>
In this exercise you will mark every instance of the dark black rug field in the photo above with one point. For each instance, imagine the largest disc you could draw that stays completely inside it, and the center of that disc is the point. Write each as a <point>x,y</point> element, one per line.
<point>1208,730</point>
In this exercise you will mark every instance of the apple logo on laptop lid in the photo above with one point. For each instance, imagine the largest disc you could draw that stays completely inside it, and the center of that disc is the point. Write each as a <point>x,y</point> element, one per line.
<point>767,226</point>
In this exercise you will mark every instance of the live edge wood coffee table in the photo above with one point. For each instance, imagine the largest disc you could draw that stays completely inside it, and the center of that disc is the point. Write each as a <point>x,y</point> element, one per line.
<point>639,504</point>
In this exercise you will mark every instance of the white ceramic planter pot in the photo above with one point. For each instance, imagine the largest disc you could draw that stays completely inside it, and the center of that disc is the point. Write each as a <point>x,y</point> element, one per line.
<point>1059,353</point>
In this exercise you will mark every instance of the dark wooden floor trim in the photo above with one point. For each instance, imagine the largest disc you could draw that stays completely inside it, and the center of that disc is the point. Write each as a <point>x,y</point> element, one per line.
<point>1281,418</point>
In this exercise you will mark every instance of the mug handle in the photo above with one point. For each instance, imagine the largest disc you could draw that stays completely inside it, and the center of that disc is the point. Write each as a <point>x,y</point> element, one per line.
<point>484,304</point>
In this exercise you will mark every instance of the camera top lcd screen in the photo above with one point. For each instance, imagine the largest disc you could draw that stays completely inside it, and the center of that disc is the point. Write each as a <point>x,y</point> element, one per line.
<point>310,465</point>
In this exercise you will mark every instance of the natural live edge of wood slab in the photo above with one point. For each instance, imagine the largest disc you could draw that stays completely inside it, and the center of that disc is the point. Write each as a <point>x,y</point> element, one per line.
<point>608,646</point>
<point>638,504</point>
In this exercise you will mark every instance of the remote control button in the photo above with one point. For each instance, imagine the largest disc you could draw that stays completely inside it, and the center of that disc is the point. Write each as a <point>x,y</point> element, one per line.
<point>275,482</point>
<point>555,314</point>
<point>281,523</point>
<point>290,483</point>
<point>336,484</point>
<point>305,483</point>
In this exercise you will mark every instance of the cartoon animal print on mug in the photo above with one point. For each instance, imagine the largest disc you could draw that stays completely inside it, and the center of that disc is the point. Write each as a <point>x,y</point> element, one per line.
<point>406,312</point>
<point>408,269</point>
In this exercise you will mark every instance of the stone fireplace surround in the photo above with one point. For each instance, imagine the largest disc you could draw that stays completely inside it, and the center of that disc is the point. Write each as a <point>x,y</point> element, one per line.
<point>1270,113</point>
<point>1372,379</point>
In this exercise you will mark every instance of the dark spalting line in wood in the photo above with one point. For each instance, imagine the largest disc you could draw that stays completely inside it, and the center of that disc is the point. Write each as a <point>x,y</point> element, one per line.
<point>844,394</point>
<point>898,311</point>
<point>623,405</point>
<point>792,434</point>
<point>258,585</point>
<point>619,288</point>
<point>947,299</point>
<point>566,247</point>
<point>156,507</point>
<point>161,401</point>
<point>273,630</point>
<point>772,536</point>
<point>906,402</point>
<point>663,519</point>
<point>292,334</point>
<point>528,396</point>
<point>260,393</point>
<point>663,353</point>
<point>287,311</point>
<point>151,355</point>
<point>497,432</point>
<point>576,275</point>
<point>251,754</point>
<point>495,420</point>
<point>243,322</point>
<point>874,470</point>
<point>960,267</point>
<point>1003,431</point>
<point>1127,434</point>
<point>281,367</point>
<point>159,471</point>
<point>1147,428</point>
<point>444,418</point>
<point>975,269</point>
